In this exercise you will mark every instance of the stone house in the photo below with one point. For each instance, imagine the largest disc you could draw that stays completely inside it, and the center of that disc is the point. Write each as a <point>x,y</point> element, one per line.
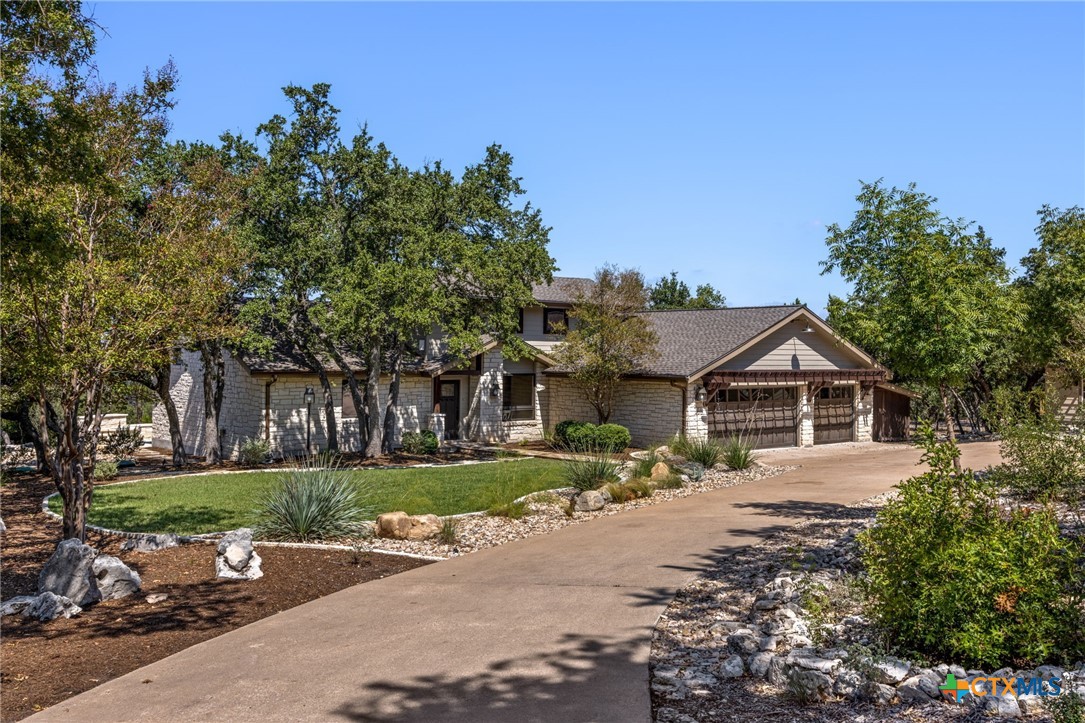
<point>777,375</point>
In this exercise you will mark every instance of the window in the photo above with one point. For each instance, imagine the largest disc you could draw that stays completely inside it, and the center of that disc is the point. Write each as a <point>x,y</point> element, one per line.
<point>518,397</point>
<point>556,321</point>
<point>349,410</point>
<point>836,392</point>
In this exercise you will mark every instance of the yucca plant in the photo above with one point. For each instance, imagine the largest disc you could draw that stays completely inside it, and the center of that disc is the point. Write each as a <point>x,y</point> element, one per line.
<point>643,467</point>
<point>591,472</point>
<point>707,452</point>
<point>315,501</point>
<point>738,453</point>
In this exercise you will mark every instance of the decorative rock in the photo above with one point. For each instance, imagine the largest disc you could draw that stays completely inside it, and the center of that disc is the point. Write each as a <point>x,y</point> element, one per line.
<point>768,642</point>
<point>236,558</point>
<point>660,470</point>
<point>889,670</point>
<point>731,667</point>
<point>115,579</point>
<point>424,527</point>
<point>1031,704</point>
<point>847,683</point>
<point>607,498</point>
<point>156,597</point>
<point>69,573</point>
<point>150,543</point>
<point>1003,706</point>
<point>743,641</point>
<point>394,525</point>
<point>877,693</point>
<point>589,501</point>
<point>50,606</point>
<point>918,689</point>
<point>16,605</point>
<point>811,662</point>
<point>759,664</point>
<point>810,684</point>
<point>777,672</point>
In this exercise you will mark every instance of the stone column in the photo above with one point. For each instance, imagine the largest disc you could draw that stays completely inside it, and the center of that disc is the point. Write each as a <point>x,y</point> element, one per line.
<point>806,417</point>
<point>696,415</point>
<point>864,413</point>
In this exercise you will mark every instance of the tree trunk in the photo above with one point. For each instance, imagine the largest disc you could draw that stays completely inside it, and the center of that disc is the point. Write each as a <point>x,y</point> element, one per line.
<point>391,403</point>
<point>356,393</point>
<point>944,394</point>
<point>177,440</point>
<point>214,384</point>
<point>372,393</point>
<point>332,431</point>
<point>76,445</point>
<point>32,433</point>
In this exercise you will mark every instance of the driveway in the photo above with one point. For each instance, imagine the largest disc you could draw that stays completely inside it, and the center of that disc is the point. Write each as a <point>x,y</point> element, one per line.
<point>556,627</point>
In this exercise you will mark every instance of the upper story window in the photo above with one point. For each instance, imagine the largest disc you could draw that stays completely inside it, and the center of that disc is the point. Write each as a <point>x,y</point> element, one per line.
<point>555,321</point>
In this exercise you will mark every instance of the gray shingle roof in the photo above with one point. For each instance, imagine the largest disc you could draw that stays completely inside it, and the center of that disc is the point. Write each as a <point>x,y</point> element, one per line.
<point>563,290</point>
<point>691,339</point>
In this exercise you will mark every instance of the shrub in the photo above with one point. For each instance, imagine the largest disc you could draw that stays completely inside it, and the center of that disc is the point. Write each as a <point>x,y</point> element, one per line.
<point>707,452</point>
<point>643,467</point>
<point>641,487</point>
<point>611,438</point>
<point>586,437</point>
<point>1044,459</point>
<point>122,442</point>
<point>670,482</point>
<point>620,492</point>
<point>105,469</point>
<point>424,442</point>
<point>954,576</point>
<point>738,453</point>
<point>590,473</point>
<point>1066,708</point>
<point>449,531</point>
<point>253,452</point>
<point>311,502</point>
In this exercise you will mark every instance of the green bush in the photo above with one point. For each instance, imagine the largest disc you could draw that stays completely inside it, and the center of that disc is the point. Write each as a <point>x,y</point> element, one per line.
<point>1045,458</point>
<point>105,469</point>
<point>1066,708</point>
<point>643,467</point>
<point>707,452</point>
<point>591,472</point>
<point>122,442</point>
<point>424,442</point>
<point>738,453</point>
<point>587,437</point>
<point>612,438</point>
<point>955,577</point>
<point>315,501</point>
<point>253,452</point>
<point>670,482</point>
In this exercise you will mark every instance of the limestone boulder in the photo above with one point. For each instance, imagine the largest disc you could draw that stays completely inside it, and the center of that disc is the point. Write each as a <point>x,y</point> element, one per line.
<point>660,470</point>
<point>394,525</point>
<point>889,670</point>
<point>810,684</point>
<point>423,527</point>
<point>236,558</point>
<point>150,543</point>
<point>731,667</point>
<point>16,605</point>
<point>69,573</point>
<point>918,689</point>
<point>589,501</point>
<point>115,579</point>
<point>50,606</point>
<point>759,664</point>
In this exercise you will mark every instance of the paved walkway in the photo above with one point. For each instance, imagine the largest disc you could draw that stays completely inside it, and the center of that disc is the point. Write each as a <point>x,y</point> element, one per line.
<point>552,628</point>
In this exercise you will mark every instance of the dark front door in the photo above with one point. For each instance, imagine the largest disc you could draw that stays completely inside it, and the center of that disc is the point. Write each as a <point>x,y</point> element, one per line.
<point>450,407</point>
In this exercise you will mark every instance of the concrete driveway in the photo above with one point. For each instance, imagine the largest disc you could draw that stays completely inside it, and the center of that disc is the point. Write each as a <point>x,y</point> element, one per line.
<point>552,628</point>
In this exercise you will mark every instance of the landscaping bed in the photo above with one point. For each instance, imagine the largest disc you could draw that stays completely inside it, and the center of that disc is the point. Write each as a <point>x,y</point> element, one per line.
<point>42,664</point>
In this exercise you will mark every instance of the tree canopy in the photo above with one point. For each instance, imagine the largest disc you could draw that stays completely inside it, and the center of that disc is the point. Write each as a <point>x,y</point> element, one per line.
<point>669,292</point>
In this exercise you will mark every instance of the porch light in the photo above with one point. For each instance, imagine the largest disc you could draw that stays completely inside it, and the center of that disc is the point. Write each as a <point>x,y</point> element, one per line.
<point>310,395</point>
<point>808,330</point>
<point>701,395</point>
<point>495,390</point>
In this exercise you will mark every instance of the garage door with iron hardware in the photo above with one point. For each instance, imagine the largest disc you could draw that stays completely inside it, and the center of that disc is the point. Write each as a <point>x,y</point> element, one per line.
<point>765,416</point>
<point>834,414</point>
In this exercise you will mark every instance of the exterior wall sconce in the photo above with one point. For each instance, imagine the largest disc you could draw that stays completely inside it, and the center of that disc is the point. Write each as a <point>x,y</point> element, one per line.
<point>495,390</point>
<point>310,395</point>
<point>701,395</point>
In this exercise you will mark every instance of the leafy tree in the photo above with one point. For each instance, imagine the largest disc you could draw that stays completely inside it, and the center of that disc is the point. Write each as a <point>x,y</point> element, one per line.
<point>95,280</point>
<point>1053,289</point>
<point>670,293</point>
<point>610,339</point>
<point>929,299</point>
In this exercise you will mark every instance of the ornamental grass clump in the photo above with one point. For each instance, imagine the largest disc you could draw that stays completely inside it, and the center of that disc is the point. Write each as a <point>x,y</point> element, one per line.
<point>315,501</point>
<point>955,576</point>
<point>707,452</point>
<point>591,472</point>
<point>738,453</point>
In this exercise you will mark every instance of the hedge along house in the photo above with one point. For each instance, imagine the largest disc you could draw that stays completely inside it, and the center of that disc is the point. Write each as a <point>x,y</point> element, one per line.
<point>775,375</point>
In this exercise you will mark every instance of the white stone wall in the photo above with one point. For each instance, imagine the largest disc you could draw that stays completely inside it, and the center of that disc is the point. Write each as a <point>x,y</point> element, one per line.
<point>806,417</point>
<point>696,416</point>
<point>651,410</point>
<point>864,413</point>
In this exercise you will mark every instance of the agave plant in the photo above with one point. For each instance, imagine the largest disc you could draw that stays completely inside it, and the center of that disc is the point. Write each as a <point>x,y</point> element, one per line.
<point>591,472</point>
<point>314,501</point>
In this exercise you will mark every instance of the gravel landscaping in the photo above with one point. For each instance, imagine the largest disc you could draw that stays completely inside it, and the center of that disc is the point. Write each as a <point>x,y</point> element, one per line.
<point>747,641</point>
<point>548,512</point>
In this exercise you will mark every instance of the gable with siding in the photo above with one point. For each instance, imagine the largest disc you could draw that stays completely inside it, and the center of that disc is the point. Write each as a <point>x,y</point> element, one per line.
<point>792,348</point>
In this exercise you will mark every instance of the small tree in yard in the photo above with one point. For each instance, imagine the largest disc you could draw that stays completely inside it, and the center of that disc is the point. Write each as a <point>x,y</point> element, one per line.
<point>610,339</point>
<point>929,299</point>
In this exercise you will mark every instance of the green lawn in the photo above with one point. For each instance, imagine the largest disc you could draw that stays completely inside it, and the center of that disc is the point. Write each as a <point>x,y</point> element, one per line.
<point>194,505</point>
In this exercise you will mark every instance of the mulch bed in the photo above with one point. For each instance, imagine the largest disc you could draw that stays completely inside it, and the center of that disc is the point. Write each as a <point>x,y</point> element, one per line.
<point>42,664</point>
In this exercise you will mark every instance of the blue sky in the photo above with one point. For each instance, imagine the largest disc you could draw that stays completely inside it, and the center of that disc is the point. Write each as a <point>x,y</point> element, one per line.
<point>716,139</point>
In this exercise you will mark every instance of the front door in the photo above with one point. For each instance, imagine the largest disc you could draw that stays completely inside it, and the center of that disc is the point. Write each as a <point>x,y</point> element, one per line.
<point>450,407</point>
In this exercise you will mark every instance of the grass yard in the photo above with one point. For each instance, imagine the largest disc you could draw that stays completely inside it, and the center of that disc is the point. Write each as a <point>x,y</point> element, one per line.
<point>210,503</point>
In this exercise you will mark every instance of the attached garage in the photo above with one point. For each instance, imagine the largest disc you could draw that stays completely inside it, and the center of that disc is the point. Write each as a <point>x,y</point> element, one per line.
<point>834,414</point>
<point>765,416</point>
<point>892,413</point>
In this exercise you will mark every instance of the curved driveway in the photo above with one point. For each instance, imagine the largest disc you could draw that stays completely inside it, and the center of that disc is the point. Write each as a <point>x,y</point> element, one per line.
<point>552,628</point>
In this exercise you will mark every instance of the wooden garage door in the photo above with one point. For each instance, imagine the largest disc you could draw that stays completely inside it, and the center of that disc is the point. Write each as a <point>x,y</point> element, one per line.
<point>834,414</point>
<point>766,417</point>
